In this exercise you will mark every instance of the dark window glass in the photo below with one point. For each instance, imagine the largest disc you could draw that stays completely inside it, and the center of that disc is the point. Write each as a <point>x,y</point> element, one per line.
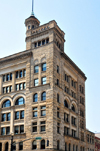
<point>57,82</point>
<point>10,76</point>
<point>16,115</point>
<point>29,27</point>
<point>7,130</point>
<point>21,74</point>
<point>36,69</point>
<point>47,41</point>
<point>17,75</point>
<point>14,146</point>
<point>20,101</point>
<point>39,43</point>
<point>21,146</point>
<point>3,131</point>
<point>32,26</point>
<point>34,145</point>
<point>7,77</point>
<point>35,127</point>
<point>65,146</point>
<point>22,129</point>
<point>16,129</point>
<point>6,146</point>
<point>22,115</point>
<point>4,78</point>
<point>35,97</point>
<point>43,144</point>
<point>73,108</point>
<point>24,73</point>
<point>6,104</point>
<point>3,117</point>
<point>35,44</point>
<point>0,146</point>
<point>20,86</point>
<point>57,145</point>
<point>65,104</point>
<point>8,117</point>
<point>43,42</point>
<point>58,98</point>
<point>44,67</point>
<point>57,69</point>
<point>43,96</point>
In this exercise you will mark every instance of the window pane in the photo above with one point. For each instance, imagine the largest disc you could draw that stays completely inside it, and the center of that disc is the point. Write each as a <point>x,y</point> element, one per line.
<point>24,73</point>
<point>43,128</point>
<point>8,130</point>
<point>6,104</point>
<point>35,114</point>
<point>36,82</point>
<point>43,96</point>
<point>36,69</point>
<point>22,115</point>
<point>22,129</point>
<point>3,131</point>
<point>8,117</point>
<point>3,117</point>
<point>43,113</point>
<point>16,115</point>
<point>44,80</point>
<point>44,67</point>
<point>21,146</point>
<point>35,97</point>
<point>20,101</point>
<point>21,74</point>
<point>16,129</point>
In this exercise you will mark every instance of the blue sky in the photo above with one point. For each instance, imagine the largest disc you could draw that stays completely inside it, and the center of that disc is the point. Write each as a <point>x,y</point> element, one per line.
<point>80,20</point>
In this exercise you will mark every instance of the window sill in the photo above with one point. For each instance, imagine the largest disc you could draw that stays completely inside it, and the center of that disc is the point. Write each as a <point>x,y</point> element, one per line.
<point>19,134</point>
<point>35,117</point>
<point>43,116</point>
<point>43,132</point>
<point>4,122</point>
<point>34,132</point>
<point>20,78</point>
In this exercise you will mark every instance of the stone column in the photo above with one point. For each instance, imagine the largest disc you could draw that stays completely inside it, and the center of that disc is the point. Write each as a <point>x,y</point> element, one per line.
<point>39,76</point>
<point>12,121</point>
<point>13,81</point>
<point>0,85</point>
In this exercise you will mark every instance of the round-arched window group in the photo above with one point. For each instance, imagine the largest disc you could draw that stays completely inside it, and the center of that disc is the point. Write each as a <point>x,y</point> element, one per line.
<point>19,101</point>
<point>66,104</point>
<point>43,97</point>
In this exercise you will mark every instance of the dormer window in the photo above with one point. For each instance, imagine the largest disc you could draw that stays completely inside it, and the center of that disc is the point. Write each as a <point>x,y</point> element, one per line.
<point>32,26</point>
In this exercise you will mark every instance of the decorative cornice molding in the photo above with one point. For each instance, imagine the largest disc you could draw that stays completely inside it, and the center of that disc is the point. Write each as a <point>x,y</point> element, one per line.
<point>20,55</point>
<point>74,65</point>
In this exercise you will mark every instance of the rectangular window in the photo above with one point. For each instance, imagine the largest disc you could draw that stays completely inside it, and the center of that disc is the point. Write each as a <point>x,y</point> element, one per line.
<point>10,76</point>
<point>57,69</point>
<point>43,110</point>
<point>35,44</point>
<point>3,131</point>
<point>17,75</point>
<point>4,78</point>
<point>44,80</point>
<point>36,81</point>
<point>4,90</point>
<point>42,125</point>
<point>16,129</point>
<point>17,87</point>
<point>43,42</point>
<point>44,67</point>
<point>47,40</point>
<point>24,85</point>
<point>10,88</point>
<point>8,116</point>
<point>16,115</point>
<point>24,73</point>
<point>58,127</point>
<point>73,133</point>
<point>36,69</point>
<point>58,114</point>
<point>21,74</point>
<point>7,77</point>
<point>7,130</point>
<point>57,82</point>
<point>34,127</point>
<point>39,43</point>
<point>22,129</point>
<point>35,112</point>
<point>7,89</point>
<point>20,86</point>
<point>66,117</point>
<point>3,117</point>
<point>22,115</point>
<point>21,146</point>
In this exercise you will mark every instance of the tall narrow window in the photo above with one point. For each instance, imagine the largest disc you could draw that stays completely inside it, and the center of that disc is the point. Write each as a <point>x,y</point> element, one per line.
<point>43,96</point>
<point>43,110</point>
<point>7,130</point>
<point>57,145</point>
<point>34,127</point>
<point>0,146</point>
<point>44,80</point>
<point>22,115</point>
<point>47,40</point>
<point>57,69</point>
<point>35,112</point>
<point>58,98</point>
<point>35,97</point>
<point>21,146</point>
<point>42,125</point>
<point>3,117</point>
<point>44,67</point>
<point>36,81</point>
<point>34,145</point>
<point>43,144</point>
<point>3,131</point>
<point>57,82</point>
<point>8,116</point>
<point>22,129</point>
<point>36,69</point>
<point>6,146</point>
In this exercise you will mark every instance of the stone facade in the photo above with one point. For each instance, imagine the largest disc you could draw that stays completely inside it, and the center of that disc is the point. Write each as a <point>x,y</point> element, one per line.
<point>45,91</point>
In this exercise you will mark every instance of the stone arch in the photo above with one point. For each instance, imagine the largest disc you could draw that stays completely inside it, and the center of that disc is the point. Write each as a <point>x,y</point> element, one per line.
<point>18,96</point>
<point>68,101</point>
<point>43,59</point>
<point>36,61</point>
<point>75,105</point>
<point>4,99</point>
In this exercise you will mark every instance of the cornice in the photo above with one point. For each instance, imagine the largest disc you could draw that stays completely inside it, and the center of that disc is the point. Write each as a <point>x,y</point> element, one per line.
<point>16,56</point>
<point>74,65</point>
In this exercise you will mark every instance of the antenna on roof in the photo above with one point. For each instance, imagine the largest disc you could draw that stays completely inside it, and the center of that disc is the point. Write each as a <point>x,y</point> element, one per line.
<point>32,8</point>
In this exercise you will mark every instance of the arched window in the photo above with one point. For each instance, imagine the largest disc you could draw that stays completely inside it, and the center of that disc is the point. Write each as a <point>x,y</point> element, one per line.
<point>0,146</point>
<point>35,97</point>
<point>20,101</point>
<point>57,145</point>
<point>34,144</point>
<point>43,96</point>
<point>43,144</point>
<point>73,108</point>
<point>7,103</point>
<point>65,104</point>
<point>6,146</point>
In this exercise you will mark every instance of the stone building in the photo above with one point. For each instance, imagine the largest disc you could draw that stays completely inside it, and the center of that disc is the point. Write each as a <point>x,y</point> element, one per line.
<point>42,94</point>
